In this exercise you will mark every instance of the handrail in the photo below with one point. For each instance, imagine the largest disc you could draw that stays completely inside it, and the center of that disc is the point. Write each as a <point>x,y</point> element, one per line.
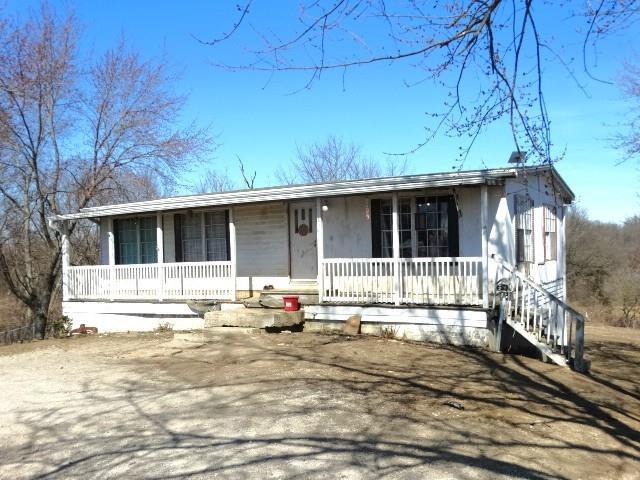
<point>536,286</point>
<point>529,314</point>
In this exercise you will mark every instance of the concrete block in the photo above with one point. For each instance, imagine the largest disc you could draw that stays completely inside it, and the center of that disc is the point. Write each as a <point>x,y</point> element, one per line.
<point>253,318</point>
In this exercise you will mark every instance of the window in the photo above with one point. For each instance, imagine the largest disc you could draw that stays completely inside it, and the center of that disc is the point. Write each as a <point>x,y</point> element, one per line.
<point>427,227</point>
<point>432,227</point>
<point>135,240</point>
<point>215,224</point>
<point>550,233</point>
<point>192,238</point>
<point>406,227</point>
<point>386,228</point>
<point>524,228</point>
<point>201,236</point>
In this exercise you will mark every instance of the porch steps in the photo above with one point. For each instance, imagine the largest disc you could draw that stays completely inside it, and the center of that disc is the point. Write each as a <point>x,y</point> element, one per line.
<point>544,349</point>
<point>543,320</point>
<point>253,318</point>
<point>308,295</point>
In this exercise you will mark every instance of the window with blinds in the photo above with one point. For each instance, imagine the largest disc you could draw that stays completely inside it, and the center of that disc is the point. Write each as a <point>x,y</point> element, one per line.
<point>135,240</point>
<point>202,236</point>
<point>550,233</point>
<point>524,228</point>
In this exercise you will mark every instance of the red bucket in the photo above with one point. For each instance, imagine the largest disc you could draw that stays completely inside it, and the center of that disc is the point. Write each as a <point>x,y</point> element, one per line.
<point>291,303</point>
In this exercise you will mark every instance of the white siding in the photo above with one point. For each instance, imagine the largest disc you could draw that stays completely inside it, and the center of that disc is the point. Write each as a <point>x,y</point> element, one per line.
<point>262,240</point>
<point>542,191</point>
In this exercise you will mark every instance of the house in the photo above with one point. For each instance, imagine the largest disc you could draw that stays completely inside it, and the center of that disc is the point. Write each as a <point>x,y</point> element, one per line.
<point>427,255</point>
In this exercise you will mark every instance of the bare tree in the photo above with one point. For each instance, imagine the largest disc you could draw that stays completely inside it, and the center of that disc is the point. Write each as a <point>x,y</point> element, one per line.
<point>249,182</point>
<point>70,138</point>
<point>629,141</point>
<point>489,54</point>
<point>214,181</point>
<point>333,159</point>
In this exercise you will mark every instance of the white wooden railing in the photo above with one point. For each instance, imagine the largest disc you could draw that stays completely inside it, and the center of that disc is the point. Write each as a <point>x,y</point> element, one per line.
<point>166,281</point>
<point>547,318</point>
<point>433,281</point>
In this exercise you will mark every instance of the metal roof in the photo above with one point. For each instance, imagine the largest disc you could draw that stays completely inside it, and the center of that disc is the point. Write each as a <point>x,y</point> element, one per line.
<point>315,190</point>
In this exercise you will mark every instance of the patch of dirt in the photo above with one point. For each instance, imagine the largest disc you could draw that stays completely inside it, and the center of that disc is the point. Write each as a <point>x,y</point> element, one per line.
<point>300,405</point>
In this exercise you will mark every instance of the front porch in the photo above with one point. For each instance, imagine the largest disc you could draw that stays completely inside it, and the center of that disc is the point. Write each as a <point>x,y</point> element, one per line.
<point>382,239</point>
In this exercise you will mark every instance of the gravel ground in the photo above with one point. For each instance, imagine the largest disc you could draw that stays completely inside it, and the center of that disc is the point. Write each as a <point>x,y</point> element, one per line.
<point>241,405</point>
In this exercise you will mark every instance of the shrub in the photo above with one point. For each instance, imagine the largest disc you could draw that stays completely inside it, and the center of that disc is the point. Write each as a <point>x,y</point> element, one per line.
<point>389,332</point>
<point>164,327</point>
<point>61,327</point>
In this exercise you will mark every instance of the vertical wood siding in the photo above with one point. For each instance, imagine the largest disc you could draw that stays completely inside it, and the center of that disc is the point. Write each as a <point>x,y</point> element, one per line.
<point>262,240</point>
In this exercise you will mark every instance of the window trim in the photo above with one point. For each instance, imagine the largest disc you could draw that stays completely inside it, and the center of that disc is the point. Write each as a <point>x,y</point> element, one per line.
<point>138,242</point>
<point>453,226</point>
<point>552,212</point>
<point>521,256</point>
<point>178,236</point>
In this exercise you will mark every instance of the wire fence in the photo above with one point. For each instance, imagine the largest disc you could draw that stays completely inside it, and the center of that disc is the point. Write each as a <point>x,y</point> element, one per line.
<point>18,334</point>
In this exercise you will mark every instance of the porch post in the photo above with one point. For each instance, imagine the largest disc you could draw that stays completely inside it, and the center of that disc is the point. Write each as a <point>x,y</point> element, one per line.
<point>160,254</point>
<point>65,261</point>
<point>561,252</point>
<point>484,214</point>
<point>112,257</point>
<point>159,238</point>
<point>396,248</point>
<point>232,254</point>
<point>320,248</point>
<point>111,246</point>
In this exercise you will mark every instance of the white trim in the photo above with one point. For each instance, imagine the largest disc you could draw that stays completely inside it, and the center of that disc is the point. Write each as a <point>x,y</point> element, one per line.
<point>298,192</point>
<point>484,227</point>
<point>159,238</point>
<point>111,242</point>
<point>233,254</point>
<point>320,247</point>
<point>396,247</point>
<point>65,251</point>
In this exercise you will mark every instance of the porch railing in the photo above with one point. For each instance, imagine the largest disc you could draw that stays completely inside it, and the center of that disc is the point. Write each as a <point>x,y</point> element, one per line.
<point>433,280</point>
<point>193,280</point>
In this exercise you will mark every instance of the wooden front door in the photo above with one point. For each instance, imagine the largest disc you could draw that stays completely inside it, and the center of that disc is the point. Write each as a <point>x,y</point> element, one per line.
<point>302,234</point>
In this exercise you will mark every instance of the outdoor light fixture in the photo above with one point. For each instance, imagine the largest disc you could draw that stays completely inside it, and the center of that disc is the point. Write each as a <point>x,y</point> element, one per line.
<point>325,207</point>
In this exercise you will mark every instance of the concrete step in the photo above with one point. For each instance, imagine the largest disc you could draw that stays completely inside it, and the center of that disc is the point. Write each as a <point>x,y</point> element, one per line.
<point>273,298</point>
<point>253,318</point>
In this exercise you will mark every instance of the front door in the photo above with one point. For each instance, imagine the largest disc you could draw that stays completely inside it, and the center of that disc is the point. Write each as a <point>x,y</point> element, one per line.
<point>302,234</point>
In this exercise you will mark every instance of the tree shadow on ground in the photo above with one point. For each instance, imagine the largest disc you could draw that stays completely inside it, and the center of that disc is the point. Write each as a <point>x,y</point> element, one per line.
<point>305,406</point>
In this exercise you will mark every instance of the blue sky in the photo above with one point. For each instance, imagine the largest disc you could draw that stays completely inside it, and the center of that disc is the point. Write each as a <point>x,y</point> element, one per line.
<point>258,118</point>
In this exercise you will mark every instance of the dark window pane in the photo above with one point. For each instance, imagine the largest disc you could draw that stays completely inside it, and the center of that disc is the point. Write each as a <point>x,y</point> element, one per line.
<point>387,244</point>
<point>216,236</point>
<point>386,222</point>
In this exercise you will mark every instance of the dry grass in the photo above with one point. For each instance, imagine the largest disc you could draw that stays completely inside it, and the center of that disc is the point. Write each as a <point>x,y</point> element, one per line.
<point>605,315</point>
<point>12,313</point>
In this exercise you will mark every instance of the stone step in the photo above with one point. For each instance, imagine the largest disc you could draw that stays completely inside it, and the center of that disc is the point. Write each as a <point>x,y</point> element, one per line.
<point>253,318</point>
<point>273,298</point>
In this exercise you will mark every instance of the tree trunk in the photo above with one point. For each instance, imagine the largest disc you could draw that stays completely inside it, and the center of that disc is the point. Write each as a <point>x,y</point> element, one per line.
<point>39,314</point>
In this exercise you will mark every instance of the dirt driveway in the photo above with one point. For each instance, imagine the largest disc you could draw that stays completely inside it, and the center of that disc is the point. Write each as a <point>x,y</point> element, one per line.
<point>313,406</point>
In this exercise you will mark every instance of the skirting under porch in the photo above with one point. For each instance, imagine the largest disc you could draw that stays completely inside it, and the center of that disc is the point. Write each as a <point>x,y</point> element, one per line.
<point>456,326</point>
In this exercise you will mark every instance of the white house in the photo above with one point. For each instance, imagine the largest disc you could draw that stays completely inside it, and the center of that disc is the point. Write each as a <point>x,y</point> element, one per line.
<point>421,253</point>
